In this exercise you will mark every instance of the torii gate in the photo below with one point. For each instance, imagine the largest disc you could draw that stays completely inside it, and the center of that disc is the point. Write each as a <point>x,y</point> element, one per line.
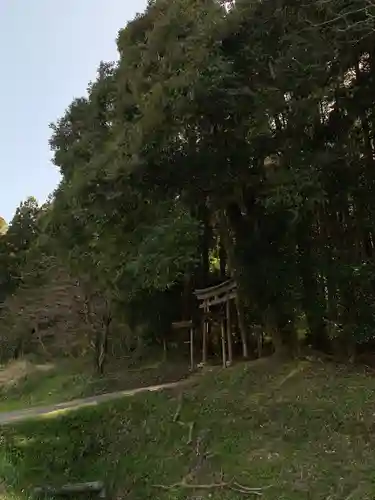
<point>213,296</point>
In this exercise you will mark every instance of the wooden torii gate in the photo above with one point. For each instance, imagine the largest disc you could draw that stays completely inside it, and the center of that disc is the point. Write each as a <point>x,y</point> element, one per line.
<point>214,296</point>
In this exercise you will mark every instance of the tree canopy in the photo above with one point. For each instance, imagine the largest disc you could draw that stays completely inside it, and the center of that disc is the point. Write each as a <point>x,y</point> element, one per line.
<point>239,132</point>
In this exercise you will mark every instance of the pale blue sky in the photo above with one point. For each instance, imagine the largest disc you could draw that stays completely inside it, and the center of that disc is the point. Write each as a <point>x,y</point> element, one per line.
<point>49,51</point>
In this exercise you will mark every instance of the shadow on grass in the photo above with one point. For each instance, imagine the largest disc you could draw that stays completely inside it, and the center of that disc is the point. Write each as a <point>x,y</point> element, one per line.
<point>111,443</point>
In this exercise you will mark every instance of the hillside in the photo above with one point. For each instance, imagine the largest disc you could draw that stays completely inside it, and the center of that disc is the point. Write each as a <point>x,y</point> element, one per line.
<point>24,384</point>
<point>298,430</point>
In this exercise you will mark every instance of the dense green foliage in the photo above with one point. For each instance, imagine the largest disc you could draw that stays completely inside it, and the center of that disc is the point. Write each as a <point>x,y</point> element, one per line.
<point>15,244</point>
<point>244,131</point>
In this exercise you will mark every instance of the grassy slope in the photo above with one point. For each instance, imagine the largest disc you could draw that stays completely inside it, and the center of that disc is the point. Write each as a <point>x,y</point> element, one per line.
<point>72,379</point>
<point>304,429</point>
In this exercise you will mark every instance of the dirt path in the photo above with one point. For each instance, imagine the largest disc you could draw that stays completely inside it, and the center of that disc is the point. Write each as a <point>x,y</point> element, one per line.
<point>75,404</point>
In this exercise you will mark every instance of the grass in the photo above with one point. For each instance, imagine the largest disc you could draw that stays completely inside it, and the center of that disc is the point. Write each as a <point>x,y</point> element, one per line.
<point>303,430</point>
<point>71,379</point>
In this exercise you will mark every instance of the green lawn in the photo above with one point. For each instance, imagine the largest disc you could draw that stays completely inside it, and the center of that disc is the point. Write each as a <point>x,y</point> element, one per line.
<point>300,430</point>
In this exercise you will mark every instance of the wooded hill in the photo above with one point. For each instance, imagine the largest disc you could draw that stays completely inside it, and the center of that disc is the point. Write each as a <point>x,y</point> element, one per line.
<point>230,139</point>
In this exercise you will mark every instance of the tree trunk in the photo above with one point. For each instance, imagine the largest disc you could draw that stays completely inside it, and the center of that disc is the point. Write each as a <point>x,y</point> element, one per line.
<point>223,347</point>
<point>242,322</point>
<point>101,344</point>
<point>186,297</point>
<point>313,301</point>
<point>205,328</point>
<point>234,271</point>
<point>229,333</point>
<point>205,244</point>
<point>284,339</point>
<point>222,258</point>
<point>192,349</point>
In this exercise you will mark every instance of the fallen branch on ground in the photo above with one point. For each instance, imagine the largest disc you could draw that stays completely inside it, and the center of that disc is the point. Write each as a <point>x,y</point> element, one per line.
<point>232,485</point>
<point>178,411</point>
<point>191,429</point>
<point>190,425</point>
<point>73,489</point>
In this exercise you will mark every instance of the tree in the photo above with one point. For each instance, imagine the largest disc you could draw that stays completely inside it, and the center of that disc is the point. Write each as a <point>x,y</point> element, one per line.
<point>15,244</point>
<point>245,131</point>
<point>3,226</point>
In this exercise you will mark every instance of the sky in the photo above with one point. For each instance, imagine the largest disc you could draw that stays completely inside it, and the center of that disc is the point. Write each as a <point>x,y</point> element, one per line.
<point>49,52</point>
